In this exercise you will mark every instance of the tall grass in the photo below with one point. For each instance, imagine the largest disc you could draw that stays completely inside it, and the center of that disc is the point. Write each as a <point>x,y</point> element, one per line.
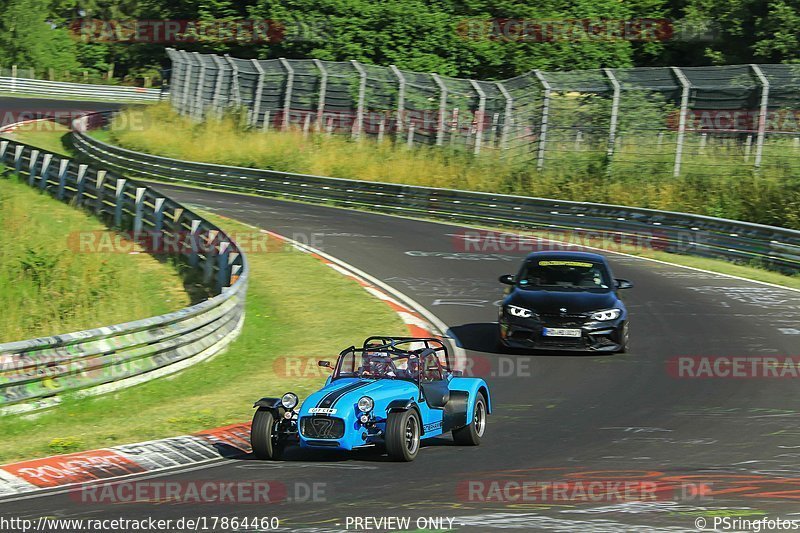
<point>47,287</point>
<point>716,180</point>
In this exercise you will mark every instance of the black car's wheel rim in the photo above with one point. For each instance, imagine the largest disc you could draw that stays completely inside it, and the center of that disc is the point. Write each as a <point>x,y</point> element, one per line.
<point>480,418</point>
<point>412,434</point>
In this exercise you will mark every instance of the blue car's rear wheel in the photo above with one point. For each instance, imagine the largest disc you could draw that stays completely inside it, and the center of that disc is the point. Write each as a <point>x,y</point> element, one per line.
<point>471,434</point>
<point>264,437</point>
<point>403,435</point>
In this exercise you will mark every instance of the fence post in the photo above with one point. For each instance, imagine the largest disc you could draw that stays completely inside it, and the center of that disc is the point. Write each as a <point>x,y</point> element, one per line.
<point>479,116</point>
<point>612,127</point>
<point>158,223</point>
<point>119,200</point>
<point>762,115</point>
<point>259,93</point>
<point>3,148</point>
<point>217,85</point>
<point>193,236</point>
<point>46,159</point>
<point>362,89</point>
<point>198,93</point>
<point>237,95</point>
<point>401,101</point>
<point>210,250</point>
<point>63,167</point>
<point>442,108</point>
<point>545,119</point>
<point>323,88</point>
<point>80,179</point>
<point>507,118</point>
<point>287,99</point>
<point>184,106</point>
<point>32,166</point>
<point>222,265</point>
<point>138,210</point>
<point>676,171</point>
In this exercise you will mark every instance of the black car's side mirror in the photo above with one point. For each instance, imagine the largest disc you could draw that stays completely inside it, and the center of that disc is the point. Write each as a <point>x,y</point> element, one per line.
<point>506,279</point>
<point>326,364</point>
<point>624,284</point>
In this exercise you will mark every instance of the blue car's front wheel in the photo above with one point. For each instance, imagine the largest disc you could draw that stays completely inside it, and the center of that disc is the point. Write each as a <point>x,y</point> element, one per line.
<point>403,435</point>
<point>264,437</point>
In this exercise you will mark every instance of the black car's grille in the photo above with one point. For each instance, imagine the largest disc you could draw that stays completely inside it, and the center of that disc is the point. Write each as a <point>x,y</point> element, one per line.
<point>322,427</point>
<point>563,321</point>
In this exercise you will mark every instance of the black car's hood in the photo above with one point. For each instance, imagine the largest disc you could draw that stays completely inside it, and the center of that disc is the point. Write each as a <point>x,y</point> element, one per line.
<point>551,302</point>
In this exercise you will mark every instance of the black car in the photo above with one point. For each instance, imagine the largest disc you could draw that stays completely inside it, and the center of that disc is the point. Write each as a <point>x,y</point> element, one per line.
<point>564,301</point>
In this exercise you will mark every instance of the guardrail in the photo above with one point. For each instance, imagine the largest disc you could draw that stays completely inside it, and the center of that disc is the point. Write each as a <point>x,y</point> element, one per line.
<point>110,93</point>
<point>684,233</point>
<point>36,373</point>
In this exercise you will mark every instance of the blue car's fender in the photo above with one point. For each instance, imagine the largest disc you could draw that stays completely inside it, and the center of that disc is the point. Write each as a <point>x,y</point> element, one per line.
<point>472,386</point>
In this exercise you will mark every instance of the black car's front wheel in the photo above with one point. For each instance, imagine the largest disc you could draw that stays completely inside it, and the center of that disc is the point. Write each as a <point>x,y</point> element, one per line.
<point>264,437</point>
<point>470,435</point>
<point>403,435</point>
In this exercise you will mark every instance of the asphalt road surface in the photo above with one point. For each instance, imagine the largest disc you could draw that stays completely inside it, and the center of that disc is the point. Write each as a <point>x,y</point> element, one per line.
<point>576,418</point>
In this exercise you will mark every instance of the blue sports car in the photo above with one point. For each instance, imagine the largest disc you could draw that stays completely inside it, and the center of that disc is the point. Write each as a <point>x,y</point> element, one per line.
<point>392,392</point>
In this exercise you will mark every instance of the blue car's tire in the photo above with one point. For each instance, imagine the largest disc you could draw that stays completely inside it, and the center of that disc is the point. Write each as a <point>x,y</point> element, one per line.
<point>403,435</point>
<point>263,439</point>
<point>471,434</point>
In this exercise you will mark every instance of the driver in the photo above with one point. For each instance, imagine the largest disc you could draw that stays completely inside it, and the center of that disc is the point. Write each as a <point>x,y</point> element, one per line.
<point>377,366</point>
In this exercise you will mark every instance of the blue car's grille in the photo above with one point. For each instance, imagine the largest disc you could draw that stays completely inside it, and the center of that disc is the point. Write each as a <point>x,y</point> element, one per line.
<point>322,427</point>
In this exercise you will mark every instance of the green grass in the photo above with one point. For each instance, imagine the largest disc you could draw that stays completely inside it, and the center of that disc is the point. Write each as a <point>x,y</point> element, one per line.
<point>47,287</point>
<point>716,180</point>
<point>296,307</point>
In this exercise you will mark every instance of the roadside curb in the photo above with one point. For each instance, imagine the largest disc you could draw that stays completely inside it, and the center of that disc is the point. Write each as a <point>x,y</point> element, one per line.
<point>157,455</point>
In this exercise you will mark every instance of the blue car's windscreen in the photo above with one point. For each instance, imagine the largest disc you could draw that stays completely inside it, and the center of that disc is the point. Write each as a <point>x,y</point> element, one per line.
<point>563,274</point>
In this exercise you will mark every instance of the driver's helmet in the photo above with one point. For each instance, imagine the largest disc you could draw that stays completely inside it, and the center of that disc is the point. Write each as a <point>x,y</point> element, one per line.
<point>377,364</point>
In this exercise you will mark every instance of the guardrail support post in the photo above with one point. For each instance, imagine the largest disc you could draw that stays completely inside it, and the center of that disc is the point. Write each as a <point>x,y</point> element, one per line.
<point>362,90</point>
<point>507,118</point>
<point>686,88</point>
<point>208,264</point>
<point>45,170</point>
<point>237,94</point>
<point>3,148</point>
<point>18,158</point>
<point>119,201</point>
<point>218,85</point>
<point>138,210</point>
<point>63,167</point>
<point>612,127</point>
<point>80,180</point>
<point>222,265</point>
<point>479,116</point>
<point>100,180</point>
<point>762,115</point>
<point>545,119</point>
<point>287,97</point>
<point>323,89</point>
<point>187,78</point>
<point>442,108</point>
<point>258,94</point>
<point>401,102</point>
<point>158,222</point>
<point>32,166</point>
<point>193,236</point>
<point>198,93</point>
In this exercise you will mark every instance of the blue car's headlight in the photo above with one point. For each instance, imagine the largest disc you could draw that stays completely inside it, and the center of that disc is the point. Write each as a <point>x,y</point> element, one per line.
<point>365,404</point>
<point>607,314</point>
<point>289,400</point>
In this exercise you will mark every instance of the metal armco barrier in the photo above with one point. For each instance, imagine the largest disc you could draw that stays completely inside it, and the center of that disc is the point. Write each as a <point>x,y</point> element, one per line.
<point>35,373</point>
<point>110,93</point>
<point>668,231</point>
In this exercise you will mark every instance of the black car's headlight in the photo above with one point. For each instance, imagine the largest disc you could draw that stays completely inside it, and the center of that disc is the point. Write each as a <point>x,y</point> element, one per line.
<point>365,404</point>
<point>519,312</point>
<point>289,400</point>
<point>606,315</point>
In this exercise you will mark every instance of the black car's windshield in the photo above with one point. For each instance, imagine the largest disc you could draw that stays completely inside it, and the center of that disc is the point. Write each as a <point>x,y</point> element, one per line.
<point>378,365</point>
<point>563,274</point>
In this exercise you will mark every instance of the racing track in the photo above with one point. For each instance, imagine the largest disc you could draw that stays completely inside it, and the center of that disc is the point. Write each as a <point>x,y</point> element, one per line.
<point>556,417</point>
